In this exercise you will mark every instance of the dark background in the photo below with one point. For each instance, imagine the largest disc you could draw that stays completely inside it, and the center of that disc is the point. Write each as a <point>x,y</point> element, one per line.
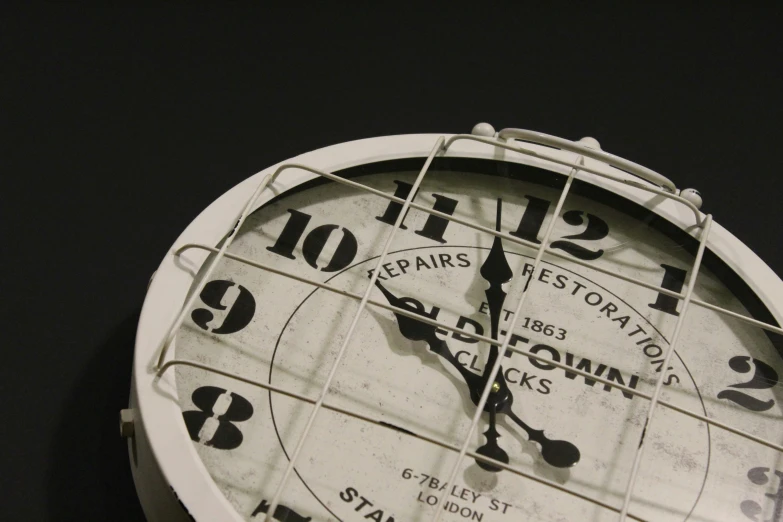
<point>118,126</point>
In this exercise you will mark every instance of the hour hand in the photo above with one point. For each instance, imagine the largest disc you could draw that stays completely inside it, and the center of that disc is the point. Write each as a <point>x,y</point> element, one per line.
<point>496,271</point>
<point>416,330</point>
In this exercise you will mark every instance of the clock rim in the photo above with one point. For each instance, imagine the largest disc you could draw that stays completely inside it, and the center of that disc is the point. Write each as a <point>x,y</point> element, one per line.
<point>163,442</point>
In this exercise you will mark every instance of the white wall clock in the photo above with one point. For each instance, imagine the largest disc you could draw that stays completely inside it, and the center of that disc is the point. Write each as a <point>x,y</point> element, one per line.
<point>497,326</point>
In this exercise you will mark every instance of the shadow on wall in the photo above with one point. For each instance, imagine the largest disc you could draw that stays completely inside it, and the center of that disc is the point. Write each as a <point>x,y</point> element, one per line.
<point>89,476</point>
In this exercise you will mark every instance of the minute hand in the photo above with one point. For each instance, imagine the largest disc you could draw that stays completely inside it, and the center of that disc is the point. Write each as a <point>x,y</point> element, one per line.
<point>496,271</point>
<point>557,453</point>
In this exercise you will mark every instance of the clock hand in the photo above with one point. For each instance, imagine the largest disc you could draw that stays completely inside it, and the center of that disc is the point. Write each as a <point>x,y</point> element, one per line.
<point>419,331</point>
<point>491,449</point>
<point>558,453</point>
<point>496,271</point>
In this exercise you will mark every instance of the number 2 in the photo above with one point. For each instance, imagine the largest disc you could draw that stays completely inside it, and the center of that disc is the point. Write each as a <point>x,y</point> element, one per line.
<point>764,377</point>
<point>596,229</point>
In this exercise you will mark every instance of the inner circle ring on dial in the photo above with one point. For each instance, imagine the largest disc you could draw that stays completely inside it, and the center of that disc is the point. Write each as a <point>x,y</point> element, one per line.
<point>285,326</point>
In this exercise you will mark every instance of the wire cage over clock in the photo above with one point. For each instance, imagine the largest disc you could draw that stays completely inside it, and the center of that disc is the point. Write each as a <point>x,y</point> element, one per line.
<point>588,264</point>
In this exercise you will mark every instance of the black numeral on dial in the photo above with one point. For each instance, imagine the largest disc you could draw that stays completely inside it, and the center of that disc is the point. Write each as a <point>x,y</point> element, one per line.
<point>434,227</point>
<point>213,423</point>
<point>752,509</point>
<point>240,311</point>
<point>764,377</point>
<point>282,513</point>
<point>533,221</point>
<point>673,279</point>
<point>314,242</point>
<point>596,229</point>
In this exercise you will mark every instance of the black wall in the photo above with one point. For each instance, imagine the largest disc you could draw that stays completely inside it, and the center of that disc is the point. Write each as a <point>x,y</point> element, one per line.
<point>118,126</point>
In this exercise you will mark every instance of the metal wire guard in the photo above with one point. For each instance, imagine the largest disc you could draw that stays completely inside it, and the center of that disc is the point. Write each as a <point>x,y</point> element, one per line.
<point>668,190</point>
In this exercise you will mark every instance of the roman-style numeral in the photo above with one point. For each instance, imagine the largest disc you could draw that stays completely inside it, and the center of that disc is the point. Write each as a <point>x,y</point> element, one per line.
<point>434,227</point>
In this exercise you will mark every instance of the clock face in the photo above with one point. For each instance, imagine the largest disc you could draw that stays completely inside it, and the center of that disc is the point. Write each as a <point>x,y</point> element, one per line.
<point>420,381</point>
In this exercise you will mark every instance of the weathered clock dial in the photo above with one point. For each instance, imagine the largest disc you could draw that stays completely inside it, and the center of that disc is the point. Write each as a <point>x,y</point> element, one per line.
<point>554,437</point>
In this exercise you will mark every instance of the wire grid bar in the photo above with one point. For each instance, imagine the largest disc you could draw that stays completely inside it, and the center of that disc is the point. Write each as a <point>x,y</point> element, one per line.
<point>349,335</point>
<point>502,235</point>
<point>270,178</point>
<point>530,244</point>
<point>547,157</point>
<point>596,154</point>
<point>268,268</point>
<point>406,432</point>
<point>502,349</point>
<point>705,233</point>
<point>555,253</point>
<point>472,335</point>
<point>172,332</point>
